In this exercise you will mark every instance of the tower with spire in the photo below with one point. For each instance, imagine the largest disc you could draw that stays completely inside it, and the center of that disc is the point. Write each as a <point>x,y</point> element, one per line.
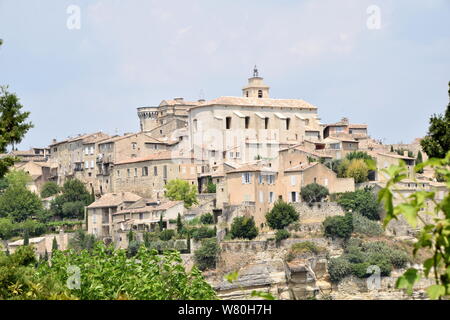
<point>256,88</point>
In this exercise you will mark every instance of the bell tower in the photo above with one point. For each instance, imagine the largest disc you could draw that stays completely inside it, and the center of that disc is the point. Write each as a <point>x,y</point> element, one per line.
<point>256,87</point>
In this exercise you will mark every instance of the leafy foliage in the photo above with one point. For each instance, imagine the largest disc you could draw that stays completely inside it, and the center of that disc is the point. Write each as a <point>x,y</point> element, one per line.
<point>202,233</point>
<point>359,255</point>
<point>433,235</point>
<point>207,218</point>
<point>243,228</point>
<point>362,201</point>
<point>19,204</point>
<point>313,192</point>
<point>363,225</point>
<point>166,235</point>
<point>358,170</point>
<point>437,142</point>
<point>281,235</point>
<point>206,256</point>
<point>281,215</point>
<point>181,190</point>
<point>49,189</point>
<point>13,126</point>
<point>339,226</point>
<point>73,199</point>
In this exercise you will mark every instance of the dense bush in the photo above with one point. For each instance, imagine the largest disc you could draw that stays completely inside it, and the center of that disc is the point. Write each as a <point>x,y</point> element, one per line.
<point>207,218</point>
<point>281,235</point>
<point>365,226</point>
<point>167,234</point>
<point>206,256</point>
<point>358,256</point>
<point>243,228</point>
<point>363,201</point>
<point>339,226</point>
<point>202,233</point>
<point>314,192</point>
<point>281,215</point>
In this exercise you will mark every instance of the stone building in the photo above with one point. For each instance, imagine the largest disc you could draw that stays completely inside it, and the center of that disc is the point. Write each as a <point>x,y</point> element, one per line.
<point>241,129</point>
<point>99,213</point>
<point>147,176</point>
<point>75,158</point>
<point>344,127</point>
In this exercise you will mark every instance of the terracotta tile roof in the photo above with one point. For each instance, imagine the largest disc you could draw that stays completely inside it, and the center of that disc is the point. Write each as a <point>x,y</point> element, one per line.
<point>394,155</point>
<point>301,167</point>
<point>96,135</point>
<point>163,155</point>
<point>251,168</point>
<point>162,206</point>
<point>114,199</point>
<point>258,102</point>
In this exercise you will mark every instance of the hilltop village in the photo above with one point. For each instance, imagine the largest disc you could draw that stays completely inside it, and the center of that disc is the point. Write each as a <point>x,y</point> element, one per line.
<point>240,157</point>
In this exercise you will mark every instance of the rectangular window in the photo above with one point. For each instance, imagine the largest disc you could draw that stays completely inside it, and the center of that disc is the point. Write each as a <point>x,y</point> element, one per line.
<point>228,122</point>
<point>92,164</point>
<point>145,171</point>
<point>293,180</point>
<point>86,164</point>
<point>266,123</point>
<point>271,197</point>
<point>86,150</point>
<point>128,172</point>
<point>135,172</point>
<point>247,122</point>
<point>261,196</point>
<point>238,155</point>
<point>270,179</point>
<point>141,216</point>
<point>260,179</point>
<point>246,178</point>
<point>231,154</point>
<point>165,172</point>
<point>118,173</point>
<point>294,196</point>
<point>155,171</point>
<point>288,123</point>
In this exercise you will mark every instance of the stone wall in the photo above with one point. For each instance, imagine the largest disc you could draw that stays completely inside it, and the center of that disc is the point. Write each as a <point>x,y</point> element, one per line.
<point>317,212</point>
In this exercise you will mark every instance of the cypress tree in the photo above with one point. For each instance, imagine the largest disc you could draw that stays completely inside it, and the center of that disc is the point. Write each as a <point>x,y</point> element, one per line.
<point>179,224</point>
<point>26,238</point>
<point>419,159</point>
<point>54,245</point>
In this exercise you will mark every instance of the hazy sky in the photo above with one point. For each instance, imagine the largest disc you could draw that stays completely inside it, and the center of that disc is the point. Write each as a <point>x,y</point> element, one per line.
<point>134,53</point>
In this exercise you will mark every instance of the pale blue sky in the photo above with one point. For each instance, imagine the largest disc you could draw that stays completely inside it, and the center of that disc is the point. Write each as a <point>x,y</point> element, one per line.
<point>134,53</point>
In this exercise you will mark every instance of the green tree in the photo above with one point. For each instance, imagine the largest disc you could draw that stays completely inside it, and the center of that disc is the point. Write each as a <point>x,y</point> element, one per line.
<point>72,200</point>
<point>313,192</point>
<point>243,228</point>
<point>26,238</point>
<point>54,245</point>
<point>13,126</point>
<point>281,215</point>
<point>358,170</point>
<point>207,218</point>
<point>437,142</point>
<point>363,201</point>
<point>419,160</point>
<point>206,256</point>
<point>181,190</point>
<point>179,224</point>
<point>19,204</point>
<point>17,178</point>
<point>6,228</point>
<point>339,226</point>
<point>49,189</point>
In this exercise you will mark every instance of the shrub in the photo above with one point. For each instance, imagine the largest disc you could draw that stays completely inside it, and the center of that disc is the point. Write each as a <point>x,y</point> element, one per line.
<point>338,226</point>
<point>49,189</point>
<point>166,235</point>
<point>358,170</point>
<point>339,268</point>
<point>206,256</point>
<point>244,228</point>
<point>202,233</point>
<point>281,235</point>
<point>306,246</point>
<point>281,215</point>
<point>314,193</point>
<point>365,226</point>
<point>207,218</point>
<point>363,201</point>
